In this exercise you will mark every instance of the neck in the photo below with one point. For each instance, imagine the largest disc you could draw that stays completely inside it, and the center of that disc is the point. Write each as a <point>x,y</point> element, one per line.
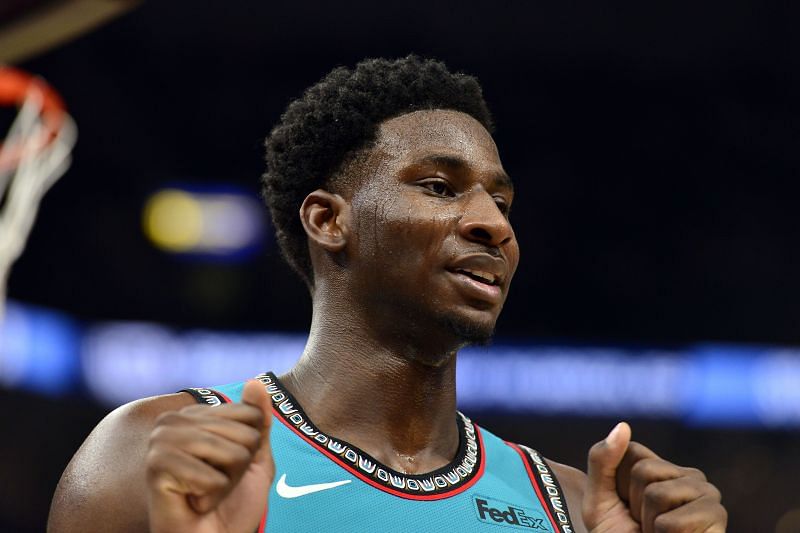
<point>394,400</point>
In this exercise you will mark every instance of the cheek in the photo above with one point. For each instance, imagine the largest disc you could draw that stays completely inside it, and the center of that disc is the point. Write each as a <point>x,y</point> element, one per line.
<point>400,234</point>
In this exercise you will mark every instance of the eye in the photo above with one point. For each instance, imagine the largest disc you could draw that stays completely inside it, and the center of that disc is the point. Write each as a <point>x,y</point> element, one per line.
<point>438,186</point>
<point>502,205</point>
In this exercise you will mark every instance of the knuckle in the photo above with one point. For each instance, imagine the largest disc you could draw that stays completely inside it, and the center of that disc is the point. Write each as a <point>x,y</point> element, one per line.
<point>723,516</point>
<point>695,472</point>
<point>206,438</point>
<point>636,447</point>
<point>155,463</point>
<point>664,524</point>
<point>252,438</point>
<point>717,512</point>
<point>643,468</point>
<point>152,460</point>
<point>217,480</point>
<point>653,495</point>
<point>661,525</point>
<point>205,480</point>
<point>157,435</point>
<point>239,455</point>
<point>713,492</point>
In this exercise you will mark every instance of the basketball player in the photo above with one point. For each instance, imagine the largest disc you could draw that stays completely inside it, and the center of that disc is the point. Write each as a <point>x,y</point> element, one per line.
<point>390,200</point>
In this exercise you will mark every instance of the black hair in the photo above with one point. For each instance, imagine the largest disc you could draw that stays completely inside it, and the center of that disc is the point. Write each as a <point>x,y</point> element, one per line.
<point>340,115</point>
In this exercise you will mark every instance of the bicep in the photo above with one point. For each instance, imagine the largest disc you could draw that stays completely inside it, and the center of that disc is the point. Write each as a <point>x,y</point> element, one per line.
<point>104,486</point>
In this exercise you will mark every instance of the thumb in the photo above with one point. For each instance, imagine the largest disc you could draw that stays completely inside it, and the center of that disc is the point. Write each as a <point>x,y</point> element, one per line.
<point>601,483</point>
<point>256,395</point>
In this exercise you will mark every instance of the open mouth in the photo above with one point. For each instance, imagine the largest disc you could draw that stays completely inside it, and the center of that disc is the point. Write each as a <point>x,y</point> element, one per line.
<point>480,276</point>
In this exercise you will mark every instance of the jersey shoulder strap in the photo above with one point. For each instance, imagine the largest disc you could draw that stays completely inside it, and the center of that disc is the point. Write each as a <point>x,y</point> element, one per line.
<point>546,485</point>
<point>217,395</point>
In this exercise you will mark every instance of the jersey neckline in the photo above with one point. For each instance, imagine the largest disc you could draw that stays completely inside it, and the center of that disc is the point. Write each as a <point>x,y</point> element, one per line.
<point>461,473</point>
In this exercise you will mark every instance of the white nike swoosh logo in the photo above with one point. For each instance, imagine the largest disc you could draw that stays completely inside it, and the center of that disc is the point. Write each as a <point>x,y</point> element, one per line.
<point>287,491</point>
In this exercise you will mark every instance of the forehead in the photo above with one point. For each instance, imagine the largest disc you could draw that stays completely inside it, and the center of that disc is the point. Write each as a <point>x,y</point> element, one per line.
<point>414,136</point>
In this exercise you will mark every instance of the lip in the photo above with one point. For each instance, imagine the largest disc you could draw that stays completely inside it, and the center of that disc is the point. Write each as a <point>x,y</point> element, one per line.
<point>476,289</point>
<point>480,262</point>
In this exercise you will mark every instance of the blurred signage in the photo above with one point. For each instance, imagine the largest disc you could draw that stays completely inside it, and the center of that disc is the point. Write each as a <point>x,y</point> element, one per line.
<point>705,384</point>
<point>205,222</point>
<point>39,350</point>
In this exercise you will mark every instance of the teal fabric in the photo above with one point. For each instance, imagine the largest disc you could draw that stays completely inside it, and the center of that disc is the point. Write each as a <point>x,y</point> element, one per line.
<point>501,500</point>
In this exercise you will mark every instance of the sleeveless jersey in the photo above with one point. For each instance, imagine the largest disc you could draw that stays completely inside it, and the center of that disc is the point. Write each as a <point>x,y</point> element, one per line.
<point>325,484</point>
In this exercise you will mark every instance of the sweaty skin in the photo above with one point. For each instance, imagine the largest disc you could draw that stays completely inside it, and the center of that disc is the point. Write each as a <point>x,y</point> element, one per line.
<point>413,256</point>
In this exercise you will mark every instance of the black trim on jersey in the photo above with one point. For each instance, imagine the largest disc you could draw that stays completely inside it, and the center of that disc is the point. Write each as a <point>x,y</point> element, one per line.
<point>467,463</point>
<point>551,490</point>
<point>207,396</point>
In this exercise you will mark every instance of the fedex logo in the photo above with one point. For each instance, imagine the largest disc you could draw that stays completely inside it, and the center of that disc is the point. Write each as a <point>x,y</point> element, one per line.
<point>503,514</point>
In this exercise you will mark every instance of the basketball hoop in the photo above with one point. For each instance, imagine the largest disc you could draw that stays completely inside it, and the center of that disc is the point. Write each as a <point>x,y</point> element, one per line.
<point>34,155</point>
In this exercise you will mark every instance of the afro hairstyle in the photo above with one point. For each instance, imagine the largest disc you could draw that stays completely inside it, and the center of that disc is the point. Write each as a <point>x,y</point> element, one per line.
<point>340,116</point>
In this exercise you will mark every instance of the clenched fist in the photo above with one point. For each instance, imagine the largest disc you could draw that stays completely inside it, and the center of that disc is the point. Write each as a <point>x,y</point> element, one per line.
<point>630,489</point>
<point>209,470</point>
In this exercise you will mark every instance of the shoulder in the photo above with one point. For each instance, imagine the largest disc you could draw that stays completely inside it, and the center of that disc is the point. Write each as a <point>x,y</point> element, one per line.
<point>104,482</point>
<point>573,482</point>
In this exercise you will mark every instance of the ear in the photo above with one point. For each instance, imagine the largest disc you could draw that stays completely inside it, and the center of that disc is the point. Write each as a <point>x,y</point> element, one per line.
<point>326,219</point>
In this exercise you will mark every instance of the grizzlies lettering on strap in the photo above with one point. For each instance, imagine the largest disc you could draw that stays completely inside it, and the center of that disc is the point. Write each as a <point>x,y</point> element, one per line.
<point>207,396</point>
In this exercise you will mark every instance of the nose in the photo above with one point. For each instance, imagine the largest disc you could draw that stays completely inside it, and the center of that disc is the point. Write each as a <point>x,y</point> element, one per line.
<point>483,221</point>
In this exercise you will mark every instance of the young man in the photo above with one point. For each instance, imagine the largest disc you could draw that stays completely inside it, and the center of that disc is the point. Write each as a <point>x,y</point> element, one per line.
<point>389,199</point>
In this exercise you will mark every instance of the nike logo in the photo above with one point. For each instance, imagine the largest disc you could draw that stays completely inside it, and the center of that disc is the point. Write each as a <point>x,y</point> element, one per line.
<point>287,491</point>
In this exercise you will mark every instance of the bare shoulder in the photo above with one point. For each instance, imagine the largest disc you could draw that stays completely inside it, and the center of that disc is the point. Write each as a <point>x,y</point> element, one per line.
<point>572,482</point>
<point>104,484</point>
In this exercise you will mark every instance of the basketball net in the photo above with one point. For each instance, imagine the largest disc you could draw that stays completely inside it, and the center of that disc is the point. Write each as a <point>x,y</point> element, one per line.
<point>34,155</point>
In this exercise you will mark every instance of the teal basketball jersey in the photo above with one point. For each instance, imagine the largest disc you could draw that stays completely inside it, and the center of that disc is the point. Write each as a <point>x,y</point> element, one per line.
<point>325,484</point>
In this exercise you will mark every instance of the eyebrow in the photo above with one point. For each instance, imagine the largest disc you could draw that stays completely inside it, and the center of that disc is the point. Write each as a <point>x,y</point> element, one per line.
<point>500,180</point>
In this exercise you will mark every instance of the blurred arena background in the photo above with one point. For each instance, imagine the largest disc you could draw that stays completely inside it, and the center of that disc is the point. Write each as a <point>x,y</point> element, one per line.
<point>655,153</point>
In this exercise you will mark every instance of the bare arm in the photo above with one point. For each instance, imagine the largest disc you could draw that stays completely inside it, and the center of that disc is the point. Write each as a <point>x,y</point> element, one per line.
<point>169,465</point>
<point>104,487</point>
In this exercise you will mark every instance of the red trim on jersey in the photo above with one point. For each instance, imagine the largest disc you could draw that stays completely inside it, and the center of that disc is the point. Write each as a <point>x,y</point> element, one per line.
<point>263,524</point>
<point>336,459</point>
<point>545,503</point>
<point>227,400</point>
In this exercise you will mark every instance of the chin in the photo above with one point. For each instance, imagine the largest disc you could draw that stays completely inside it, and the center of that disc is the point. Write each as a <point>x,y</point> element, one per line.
<point>471,332</point>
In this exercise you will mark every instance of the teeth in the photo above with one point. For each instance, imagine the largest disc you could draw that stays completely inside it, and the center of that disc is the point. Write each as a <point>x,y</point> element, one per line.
<point>486,277</point>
